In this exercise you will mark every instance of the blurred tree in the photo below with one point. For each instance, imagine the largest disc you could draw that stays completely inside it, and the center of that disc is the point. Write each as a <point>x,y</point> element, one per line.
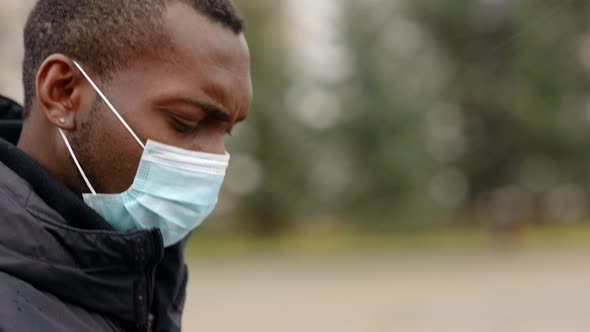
<point>466,107</point>
<point>273,144</point>
<point>448,110</point>
<point>393,91</point>
<point>523,93</point>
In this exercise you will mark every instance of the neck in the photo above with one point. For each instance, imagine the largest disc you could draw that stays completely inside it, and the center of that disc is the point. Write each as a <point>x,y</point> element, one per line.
<point>45,145</point>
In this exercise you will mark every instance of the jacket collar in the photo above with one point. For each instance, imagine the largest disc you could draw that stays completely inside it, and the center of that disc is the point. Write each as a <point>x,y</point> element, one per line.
<point>51,190</point>
<point>60,245</point>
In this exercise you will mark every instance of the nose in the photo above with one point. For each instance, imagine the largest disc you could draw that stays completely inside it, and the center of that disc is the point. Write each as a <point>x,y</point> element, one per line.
<point>211,142</point>
<point>219,147</point>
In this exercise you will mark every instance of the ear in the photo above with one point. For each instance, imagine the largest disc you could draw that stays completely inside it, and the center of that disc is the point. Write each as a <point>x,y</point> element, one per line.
<point>59,87</point>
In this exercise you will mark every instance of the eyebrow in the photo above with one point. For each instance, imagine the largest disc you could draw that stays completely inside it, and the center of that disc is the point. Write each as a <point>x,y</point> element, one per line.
<point>212,110</point>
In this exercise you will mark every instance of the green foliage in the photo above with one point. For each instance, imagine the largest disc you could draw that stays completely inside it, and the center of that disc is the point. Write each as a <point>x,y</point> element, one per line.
<point>521,86</point>
<point>451,110</point>
<point>268,137</point>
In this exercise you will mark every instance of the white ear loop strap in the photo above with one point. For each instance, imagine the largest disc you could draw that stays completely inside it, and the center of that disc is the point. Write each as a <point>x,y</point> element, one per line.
<point>76,161</point>
<point>110,105</point>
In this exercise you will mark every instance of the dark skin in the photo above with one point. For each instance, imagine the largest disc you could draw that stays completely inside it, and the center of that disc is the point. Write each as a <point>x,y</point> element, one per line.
<point>191,98</point>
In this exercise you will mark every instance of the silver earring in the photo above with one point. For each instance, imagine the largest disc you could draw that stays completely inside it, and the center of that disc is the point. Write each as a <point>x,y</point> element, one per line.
<point>62,120</point>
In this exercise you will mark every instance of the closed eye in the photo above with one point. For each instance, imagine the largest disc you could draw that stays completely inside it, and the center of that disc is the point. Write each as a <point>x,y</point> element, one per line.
<point>183,126</point>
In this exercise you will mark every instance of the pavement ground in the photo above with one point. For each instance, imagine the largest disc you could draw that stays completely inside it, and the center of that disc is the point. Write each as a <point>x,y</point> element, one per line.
<point>502,292</point>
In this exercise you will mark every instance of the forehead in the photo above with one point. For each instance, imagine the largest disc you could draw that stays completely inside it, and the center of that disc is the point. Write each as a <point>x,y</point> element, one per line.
<point>197,34</point>
<point>206,55</point>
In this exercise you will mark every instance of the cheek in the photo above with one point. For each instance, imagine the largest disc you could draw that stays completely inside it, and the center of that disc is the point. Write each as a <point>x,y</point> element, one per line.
<point>110,154</point>
<point>203,140</point>
<point>156,126</point>
<point>153,125</point>
<point>210,141</point>
<point>119,161</point>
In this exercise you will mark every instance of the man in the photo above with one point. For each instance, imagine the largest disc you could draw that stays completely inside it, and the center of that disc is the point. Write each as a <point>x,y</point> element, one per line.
<point>121,155</point>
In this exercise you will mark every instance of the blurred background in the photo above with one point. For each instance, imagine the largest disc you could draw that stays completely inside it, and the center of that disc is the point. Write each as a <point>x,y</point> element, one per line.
<point>409,165</point>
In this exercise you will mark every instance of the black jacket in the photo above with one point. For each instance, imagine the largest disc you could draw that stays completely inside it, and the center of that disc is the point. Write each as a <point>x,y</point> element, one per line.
<point>63,267</point>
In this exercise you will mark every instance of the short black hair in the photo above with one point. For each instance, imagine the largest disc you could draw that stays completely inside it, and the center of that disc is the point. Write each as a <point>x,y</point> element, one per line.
<point>104,34</point>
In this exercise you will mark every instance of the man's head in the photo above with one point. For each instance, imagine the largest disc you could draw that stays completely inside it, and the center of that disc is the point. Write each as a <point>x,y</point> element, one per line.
<point>176,70</point>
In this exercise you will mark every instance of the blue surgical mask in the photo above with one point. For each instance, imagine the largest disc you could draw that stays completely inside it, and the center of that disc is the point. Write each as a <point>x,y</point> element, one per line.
<point>174,189</point>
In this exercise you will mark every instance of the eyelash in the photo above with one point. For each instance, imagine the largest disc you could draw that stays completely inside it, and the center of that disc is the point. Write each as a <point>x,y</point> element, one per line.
<point>183,127</point>
<point>186,129</point>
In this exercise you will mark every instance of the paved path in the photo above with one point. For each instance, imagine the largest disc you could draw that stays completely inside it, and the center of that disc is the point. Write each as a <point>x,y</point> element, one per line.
<point>491,293</point>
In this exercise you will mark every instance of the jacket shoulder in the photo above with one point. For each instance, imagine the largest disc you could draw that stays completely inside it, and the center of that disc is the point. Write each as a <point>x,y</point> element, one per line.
<point>23,308</point>
<point>10,109</point>
<point>10,119</point>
